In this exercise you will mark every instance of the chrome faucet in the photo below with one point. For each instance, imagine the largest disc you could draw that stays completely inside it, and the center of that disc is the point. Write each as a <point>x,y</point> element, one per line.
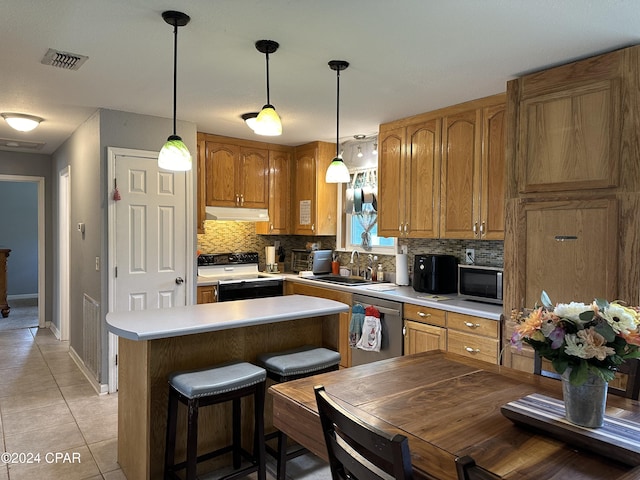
<point>368,272</point>
<point>357,274</point>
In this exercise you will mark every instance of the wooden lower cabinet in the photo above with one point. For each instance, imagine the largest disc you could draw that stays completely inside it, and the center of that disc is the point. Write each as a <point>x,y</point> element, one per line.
<point>473,337</point>
<point>424,329</point>
<point>422,337</point>
<point>334,336</point>
<point>207,294</point>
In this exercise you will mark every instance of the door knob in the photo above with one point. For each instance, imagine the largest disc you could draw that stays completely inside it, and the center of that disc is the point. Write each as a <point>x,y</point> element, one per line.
<point>179,281</point>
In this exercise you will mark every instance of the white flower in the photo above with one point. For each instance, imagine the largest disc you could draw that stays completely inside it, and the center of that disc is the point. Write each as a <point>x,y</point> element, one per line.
<point>587,344</point>
<point>571,310</point>
<point>620,319</point>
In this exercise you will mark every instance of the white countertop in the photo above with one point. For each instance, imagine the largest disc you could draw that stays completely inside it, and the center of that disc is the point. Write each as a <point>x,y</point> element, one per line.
<point>190,319</point>
<point>390,291</point>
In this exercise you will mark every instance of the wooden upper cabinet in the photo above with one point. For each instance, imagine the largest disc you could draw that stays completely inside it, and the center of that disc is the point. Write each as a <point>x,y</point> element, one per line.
<point>391,182</point>
<point>236,176</point>
<point>409,180</point>
<point>570,139</point>
<point>314,201</point>
<point>460,207</point>
<point>473,174</point>
<point>279,195</point>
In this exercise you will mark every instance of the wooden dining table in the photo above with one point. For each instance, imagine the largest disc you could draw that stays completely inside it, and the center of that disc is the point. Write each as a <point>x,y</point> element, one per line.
<point>449,406</point>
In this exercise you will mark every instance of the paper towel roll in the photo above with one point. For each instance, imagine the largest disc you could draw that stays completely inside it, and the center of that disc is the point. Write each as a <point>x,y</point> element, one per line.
<point>271,255</point>
<point>402,269</point>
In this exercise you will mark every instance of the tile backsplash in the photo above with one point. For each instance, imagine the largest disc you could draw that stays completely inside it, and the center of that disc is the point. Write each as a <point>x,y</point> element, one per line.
<point>241,236</point>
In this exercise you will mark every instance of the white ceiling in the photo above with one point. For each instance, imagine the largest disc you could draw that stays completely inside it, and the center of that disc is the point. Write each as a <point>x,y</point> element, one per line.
<point>407,57</point>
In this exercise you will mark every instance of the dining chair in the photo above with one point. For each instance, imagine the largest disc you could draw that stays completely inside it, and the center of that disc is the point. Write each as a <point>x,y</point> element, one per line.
<point>468,470</point>
<point>631,368</point>
<point>357,450</point>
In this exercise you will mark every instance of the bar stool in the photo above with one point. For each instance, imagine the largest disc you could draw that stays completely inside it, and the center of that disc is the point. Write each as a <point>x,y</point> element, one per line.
<point>208,386</point>
<point>290,365</point>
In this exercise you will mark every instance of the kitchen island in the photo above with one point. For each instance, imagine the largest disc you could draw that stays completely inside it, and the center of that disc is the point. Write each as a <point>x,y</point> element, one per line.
<point>154,343</point>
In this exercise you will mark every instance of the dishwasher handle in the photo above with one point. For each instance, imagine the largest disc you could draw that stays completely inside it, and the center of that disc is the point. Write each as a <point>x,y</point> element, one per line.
<point>387,311</point>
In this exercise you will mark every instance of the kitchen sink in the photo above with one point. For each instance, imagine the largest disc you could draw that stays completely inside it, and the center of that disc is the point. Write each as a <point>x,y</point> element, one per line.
<point>341,280</point>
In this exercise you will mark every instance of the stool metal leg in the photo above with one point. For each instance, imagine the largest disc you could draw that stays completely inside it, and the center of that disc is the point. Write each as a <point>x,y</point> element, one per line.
<point>172,419</point>
<point>192,438</point>
<point>282,456</point>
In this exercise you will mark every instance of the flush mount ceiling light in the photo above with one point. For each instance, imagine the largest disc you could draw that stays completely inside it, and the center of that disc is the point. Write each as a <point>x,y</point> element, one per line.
<point>268,122</point>
<point>360,154</point>
<point>250,119</point>
<point>337,171</point>
<point>21,121</point>
<point>175,154</point>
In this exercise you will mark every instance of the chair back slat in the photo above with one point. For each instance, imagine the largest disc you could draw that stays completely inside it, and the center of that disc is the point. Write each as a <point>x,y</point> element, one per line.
<point>359,449</point>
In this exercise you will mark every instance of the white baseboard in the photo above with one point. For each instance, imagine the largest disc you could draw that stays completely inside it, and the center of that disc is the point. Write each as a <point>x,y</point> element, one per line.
<point>52,326</point>
<point>22,296</point>
<point>101,389</point>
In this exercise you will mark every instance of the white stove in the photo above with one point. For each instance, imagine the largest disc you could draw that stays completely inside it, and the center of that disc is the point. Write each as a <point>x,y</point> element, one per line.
<point>238,276</point>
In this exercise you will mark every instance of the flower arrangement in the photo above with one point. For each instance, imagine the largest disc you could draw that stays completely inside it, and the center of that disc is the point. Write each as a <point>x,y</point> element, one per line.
<point>591,339</point>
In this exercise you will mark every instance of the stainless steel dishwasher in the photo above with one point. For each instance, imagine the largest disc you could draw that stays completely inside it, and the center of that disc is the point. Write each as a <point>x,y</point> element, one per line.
<point>391,322</point>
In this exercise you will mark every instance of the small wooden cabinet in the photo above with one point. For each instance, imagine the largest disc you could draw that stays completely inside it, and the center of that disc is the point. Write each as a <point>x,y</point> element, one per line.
<point>409,180</point>
<point>207,294</point>
<point>236,176</point>
<point>473,176</point>
<point>280,187</point>
<point>473,337</point>
<point>424,329</point>
<point>314,200</point>
<point>4,305</point>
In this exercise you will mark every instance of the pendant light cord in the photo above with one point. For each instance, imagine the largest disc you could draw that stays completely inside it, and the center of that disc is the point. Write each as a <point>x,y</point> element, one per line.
<point>337,113</point>
<point>268,99</point>
<point>175,72</point>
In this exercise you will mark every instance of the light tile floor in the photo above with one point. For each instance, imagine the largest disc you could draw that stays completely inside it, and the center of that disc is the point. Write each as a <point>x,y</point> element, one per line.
<point>48,407</point>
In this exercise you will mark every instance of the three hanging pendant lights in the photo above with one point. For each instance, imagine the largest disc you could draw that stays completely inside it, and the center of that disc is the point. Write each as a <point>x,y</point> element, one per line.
<point>175,155</point>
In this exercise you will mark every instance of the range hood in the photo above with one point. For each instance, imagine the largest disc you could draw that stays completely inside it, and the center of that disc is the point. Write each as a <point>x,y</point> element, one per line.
<point>237,214</point>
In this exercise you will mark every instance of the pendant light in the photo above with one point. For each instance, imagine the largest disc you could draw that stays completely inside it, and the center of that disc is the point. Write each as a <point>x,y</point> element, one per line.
<point>175,154</point>
<point>337,171</point>
<point>268,122</point>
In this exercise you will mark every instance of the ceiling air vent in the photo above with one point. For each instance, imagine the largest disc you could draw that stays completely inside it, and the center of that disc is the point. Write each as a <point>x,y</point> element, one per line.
<point>66,60</point>
<point>20,144</point>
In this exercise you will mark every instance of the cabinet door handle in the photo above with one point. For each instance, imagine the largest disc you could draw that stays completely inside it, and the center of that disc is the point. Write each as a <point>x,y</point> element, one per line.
<point>241,199</point>
<point>404,330</point>
<point>475,229</point>
<point>271,227</point>
<point>472,325</point>
<point>215,293</point>
<point>482,229</point>
<point>472,350</point>
<point>400,228</point>
<point>406,227</point>
<point>237,199</point>
<point>313,227</point>
<point>424,315</point>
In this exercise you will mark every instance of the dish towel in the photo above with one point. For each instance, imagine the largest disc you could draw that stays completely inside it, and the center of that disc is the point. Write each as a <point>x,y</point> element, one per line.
<point>355,326</point>
<point>371,338</point>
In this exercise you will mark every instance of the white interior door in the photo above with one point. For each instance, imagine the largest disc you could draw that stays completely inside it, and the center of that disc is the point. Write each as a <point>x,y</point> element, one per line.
<point>149,238</point>
<point>150,235</point>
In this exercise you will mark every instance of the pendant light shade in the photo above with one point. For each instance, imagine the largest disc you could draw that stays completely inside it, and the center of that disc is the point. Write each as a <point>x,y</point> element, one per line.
<point>175,154</point>
<point>337,171</point>
<point>268,122</point>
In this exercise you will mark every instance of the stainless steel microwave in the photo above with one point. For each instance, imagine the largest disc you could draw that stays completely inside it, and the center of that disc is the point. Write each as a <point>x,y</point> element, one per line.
<point>483,284</point>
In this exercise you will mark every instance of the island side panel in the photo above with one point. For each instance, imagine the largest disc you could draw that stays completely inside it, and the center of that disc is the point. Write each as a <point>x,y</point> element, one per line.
<point>133,408</point>
<point>204,350</point>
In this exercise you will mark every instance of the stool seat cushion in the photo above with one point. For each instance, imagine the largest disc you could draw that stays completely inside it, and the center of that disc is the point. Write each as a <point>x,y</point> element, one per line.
<point>215,380</point>
<point>299,361</point>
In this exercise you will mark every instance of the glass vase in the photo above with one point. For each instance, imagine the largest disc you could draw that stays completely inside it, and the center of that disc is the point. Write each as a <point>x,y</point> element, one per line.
<point>585,404</point>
